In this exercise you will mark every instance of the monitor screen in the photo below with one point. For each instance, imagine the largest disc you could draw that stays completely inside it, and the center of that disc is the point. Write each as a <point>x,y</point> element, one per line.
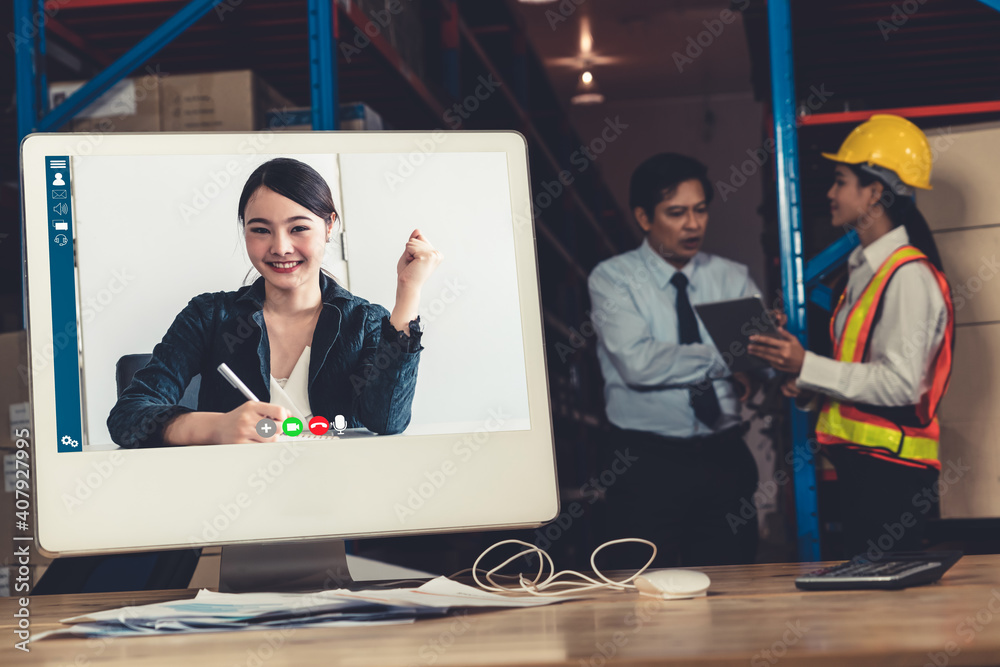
<point>138,262</point>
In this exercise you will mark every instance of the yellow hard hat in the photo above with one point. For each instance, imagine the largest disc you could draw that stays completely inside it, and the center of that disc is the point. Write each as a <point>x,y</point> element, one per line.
<point>890,142</point>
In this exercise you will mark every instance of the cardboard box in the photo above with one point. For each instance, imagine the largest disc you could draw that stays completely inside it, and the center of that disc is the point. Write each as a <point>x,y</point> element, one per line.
<point>14,390</point>
<point>236,101</point>
<point>353,116</point>
<point>132,105</point>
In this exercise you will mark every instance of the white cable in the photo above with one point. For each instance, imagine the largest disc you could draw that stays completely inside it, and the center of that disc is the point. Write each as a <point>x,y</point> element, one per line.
<point>539,585</point>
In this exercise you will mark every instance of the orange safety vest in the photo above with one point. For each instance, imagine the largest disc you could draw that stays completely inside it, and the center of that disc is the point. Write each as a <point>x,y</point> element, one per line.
<point>879,432</point>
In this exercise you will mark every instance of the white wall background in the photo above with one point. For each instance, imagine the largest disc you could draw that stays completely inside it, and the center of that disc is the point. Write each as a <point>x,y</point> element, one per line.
<point>474,356</point>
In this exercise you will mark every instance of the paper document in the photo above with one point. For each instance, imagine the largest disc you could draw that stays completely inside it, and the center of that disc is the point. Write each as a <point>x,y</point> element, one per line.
<point>209,611</point>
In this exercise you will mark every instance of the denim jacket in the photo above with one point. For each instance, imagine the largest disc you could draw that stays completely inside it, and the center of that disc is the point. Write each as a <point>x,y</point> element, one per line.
<point>360,365</point>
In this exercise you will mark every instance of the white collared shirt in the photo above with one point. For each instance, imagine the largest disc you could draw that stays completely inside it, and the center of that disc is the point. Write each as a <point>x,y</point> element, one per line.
<point>903,342</point>
<point>647,371</point>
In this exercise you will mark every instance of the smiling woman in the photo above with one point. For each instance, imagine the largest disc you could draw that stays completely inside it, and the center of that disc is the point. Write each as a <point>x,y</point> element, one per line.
<point>295,337</point>
<point>892,335</point>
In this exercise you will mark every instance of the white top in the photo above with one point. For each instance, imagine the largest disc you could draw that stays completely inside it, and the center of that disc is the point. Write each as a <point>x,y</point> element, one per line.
<point>292,393</point>
<point>903,342</point>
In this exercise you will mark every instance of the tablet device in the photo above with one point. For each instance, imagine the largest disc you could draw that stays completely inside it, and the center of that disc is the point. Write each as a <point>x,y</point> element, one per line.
<point>731,323</point>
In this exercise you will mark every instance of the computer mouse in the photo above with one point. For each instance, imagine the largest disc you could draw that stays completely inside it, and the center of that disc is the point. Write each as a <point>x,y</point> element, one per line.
<point>673,584</point>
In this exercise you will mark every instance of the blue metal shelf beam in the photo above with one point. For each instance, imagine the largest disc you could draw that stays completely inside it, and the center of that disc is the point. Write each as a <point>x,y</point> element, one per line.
<point>323,65</point>
<point>830,258</point>
<point>27,33</point>
<point>792,267</point>
<point>127,63</point>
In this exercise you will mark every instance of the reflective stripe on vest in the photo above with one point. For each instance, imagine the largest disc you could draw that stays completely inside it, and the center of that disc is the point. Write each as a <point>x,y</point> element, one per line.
<point>844,423</point>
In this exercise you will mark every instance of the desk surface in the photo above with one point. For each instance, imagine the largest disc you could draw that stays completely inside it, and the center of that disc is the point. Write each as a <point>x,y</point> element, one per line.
<point>754,615</point>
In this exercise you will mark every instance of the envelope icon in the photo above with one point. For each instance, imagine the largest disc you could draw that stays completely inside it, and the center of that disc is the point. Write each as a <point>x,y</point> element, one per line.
<point>59,194</point>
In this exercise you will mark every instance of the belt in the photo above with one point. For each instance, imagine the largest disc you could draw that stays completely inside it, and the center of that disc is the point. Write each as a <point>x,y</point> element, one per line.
<point>694,442</point>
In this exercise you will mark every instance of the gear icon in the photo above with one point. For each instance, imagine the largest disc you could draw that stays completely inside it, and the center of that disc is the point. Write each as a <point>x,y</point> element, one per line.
<point>66,440</point>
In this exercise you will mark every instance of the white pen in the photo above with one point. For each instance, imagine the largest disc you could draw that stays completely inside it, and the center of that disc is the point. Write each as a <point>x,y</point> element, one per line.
<point>236,382</point>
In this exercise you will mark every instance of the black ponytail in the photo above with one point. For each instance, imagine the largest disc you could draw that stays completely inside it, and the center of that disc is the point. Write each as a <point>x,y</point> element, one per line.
<point>903,212</point>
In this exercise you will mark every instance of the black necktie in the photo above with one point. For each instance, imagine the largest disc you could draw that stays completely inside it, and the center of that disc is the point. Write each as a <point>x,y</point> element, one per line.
<point>703,398</point>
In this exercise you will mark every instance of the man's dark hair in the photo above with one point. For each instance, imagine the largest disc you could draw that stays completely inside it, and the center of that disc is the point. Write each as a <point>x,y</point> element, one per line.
<point>659,176</point>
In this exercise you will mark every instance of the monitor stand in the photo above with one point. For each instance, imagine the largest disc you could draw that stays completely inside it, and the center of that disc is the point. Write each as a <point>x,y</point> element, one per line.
<point>293,566</point>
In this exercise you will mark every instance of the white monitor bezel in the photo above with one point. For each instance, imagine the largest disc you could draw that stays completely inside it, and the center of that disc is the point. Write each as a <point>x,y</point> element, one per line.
<point>504,480</point>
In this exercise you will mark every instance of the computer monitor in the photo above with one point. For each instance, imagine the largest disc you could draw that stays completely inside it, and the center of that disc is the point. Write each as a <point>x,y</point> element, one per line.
<point>123,230</point>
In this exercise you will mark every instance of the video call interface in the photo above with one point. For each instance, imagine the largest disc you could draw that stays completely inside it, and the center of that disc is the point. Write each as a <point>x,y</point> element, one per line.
<point>134,238</point>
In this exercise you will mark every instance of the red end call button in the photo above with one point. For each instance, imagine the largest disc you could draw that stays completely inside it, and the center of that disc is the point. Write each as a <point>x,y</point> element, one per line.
<point>319,425</point>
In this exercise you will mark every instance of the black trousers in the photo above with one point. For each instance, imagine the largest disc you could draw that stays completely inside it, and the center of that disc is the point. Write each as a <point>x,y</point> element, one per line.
<point>884,505</point>
<point>693,498</point>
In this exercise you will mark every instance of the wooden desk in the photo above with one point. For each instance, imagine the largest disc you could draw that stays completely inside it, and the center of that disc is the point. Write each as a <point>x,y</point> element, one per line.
<point>753,616</point>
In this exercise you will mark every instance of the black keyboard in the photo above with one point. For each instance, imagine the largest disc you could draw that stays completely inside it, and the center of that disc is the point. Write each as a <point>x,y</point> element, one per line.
<point>893,570</point>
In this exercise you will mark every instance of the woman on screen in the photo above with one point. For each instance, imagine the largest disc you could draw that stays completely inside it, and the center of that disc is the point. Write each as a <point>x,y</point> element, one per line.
<point>295,337</point>
<point>892,335</point>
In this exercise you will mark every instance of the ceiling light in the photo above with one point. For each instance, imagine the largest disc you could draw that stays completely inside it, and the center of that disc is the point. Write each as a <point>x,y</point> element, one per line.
<point>586,37</point>
<point>587,91</point>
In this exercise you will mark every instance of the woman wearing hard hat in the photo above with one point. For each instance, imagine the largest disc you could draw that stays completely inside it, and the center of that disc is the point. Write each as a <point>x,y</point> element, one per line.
<point>892,334</point>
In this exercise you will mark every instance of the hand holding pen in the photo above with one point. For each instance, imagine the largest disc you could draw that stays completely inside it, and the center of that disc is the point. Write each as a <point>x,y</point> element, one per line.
<point>240,425</point>
<point>222,428</point>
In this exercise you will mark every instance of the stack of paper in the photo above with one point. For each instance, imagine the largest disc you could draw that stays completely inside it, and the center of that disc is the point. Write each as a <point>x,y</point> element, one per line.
<point>215,612</point>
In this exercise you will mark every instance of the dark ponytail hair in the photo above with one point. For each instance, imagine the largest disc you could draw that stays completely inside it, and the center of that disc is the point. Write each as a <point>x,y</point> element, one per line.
<point>292,179</point>
<point>902,211</point>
